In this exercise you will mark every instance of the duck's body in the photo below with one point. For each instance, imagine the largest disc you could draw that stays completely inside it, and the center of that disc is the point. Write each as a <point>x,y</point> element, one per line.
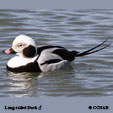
<point>42,59</point>
<point>49,58</point>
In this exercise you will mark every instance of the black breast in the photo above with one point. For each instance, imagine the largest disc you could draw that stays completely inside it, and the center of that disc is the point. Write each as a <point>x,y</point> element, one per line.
<point>30,67</point>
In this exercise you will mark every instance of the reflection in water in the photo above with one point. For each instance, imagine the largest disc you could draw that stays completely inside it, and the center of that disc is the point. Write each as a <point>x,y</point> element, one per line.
<point>33,84</point>
<point>23,84</point>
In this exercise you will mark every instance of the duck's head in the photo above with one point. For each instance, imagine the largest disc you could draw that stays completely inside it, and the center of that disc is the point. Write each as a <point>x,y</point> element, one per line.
<point>24,46</point>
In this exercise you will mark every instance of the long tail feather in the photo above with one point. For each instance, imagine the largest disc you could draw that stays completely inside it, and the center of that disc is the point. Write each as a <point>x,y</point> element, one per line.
<point>92,50</point>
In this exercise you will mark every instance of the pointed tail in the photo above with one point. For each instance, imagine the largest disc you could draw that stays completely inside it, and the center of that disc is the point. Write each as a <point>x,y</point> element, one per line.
<point>94,49</point>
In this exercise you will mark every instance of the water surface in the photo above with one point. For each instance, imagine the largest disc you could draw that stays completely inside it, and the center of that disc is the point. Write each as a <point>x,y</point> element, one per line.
<point>90,76</point>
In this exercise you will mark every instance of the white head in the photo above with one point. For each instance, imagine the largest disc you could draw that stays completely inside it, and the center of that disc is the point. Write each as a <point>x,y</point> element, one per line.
<point>24,46</point>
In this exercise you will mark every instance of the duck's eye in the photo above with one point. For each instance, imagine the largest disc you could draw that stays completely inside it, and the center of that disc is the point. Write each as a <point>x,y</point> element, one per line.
<point>20,45</point>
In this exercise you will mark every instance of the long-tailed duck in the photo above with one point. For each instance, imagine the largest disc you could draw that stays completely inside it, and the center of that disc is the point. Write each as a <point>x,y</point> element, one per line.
<point>29,58</point>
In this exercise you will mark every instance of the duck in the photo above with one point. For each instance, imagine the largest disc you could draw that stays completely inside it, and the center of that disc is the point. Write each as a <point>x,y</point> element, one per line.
<point>30,58</point>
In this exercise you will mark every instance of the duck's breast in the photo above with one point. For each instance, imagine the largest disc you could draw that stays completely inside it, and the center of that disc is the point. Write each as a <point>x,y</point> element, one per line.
<point>18,61</point>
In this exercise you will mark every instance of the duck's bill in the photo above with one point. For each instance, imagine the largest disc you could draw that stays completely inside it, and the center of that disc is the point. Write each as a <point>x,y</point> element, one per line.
<point>9,51</point>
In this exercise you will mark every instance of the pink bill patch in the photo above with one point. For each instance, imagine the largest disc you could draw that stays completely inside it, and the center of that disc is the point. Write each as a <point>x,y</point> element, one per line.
<point>8,51</point>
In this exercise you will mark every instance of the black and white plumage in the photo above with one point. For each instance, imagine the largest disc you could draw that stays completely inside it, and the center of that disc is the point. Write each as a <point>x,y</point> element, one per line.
<point>29,58</point>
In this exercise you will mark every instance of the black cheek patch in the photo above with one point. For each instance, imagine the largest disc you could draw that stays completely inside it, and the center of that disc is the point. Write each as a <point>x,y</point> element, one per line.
<point>29,51</point>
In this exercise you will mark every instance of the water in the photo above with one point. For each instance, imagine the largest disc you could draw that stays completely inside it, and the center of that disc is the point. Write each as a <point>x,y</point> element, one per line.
<point>90,76</point>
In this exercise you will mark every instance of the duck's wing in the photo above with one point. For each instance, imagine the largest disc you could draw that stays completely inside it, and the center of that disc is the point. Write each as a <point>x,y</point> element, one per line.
<point>50,59</point>
<point>42,48</point>
<point>59,51</point>
<point>65,54</point>
<point>52,65</point>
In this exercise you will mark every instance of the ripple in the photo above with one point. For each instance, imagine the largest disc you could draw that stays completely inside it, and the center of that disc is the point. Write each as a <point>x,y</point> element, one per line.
<point>82,23</point>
